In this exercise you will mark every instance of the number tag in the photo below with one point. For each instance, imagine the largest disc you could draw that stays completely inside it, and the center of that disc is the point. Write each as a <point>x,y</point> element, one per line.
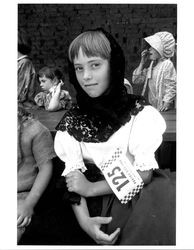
<point>121,176</point>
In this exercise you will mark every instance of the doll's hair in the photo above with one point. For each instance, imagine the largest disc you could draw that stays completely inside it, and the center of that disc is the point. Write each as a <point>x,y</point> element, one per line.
<point>50,72</point>
<point>24,42</point>
<point>92,43</point>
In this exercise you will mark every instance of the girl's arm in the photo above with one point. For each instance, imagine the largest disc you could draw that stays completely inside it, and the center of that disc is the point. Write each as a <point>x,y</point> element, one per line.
<point>40,184</point>
<point>43,152</point>
<point>54,104</point>
<point>139,74</point>
<point>26,209</point>
<point>91,225</point>
<point>78,183</point>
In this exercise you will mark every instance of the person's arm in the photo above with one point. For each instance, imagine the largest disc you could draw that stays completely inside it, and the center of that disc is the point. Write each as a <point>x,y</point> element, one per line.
<point>54,104</point>
<point>91,225</point>
<point>146,176</point>
<point>139,74</point>
<point>26,209</point>
<point>145,138</point>
<point>43,152</point>
<point>78,183</point>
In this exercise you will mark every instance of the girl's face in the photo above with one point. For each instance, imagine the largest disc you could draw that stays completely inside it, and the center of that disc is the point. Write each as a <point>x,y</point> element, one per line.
<point>46,83</point>
<point>153,54</point>
<point>92,74</point>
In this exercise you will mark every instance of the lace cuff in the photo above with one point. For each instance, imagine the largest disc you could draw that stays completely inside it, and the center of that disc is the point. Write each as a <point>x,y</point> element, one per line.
<point>69,166</point>
<point>145,164</point>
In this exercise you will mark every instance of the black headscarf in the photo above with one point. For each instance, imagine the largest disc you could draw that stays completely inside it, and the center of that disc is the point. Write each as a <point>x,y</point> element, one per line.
<point>96,119</point>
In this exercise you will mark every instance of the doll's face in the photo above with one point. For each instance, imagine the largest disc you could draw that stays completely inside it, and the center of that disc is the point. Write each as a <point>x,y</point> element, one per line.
<point>93,74</point>
<point>153,54</point>
<point>46,83</point>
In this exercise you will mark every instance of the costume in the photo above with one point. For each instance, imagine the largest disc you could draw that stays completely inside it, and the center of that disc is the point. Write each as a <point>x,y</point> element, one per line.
<point>161,82</point>
<point>141,136</point>
<point>161,78</point>
<point>26,79</point>
<point>35,147</point>
<point>43,98</point>
<point>88,134</point>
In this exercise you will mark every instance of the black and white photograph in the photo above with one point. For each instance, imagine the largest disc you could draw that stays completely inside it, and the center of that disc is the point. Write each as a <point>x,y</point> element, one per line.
<point>96,159</point>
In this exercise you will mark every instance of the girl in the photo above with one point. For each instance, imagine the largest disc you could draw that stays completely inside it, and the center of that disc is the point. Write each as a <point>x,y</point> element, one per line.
<point>160,75</point>
<point>35,151</point>
<point>53,98</point>
<point>107,142</point>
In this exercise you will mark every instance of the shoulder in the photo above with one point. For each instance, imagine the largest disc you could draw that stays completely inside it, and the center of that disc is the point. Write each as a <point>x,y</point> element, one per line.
<point>149,118</point>
<point>35,127</point>
<point>167,63</point>
<point>25,61</point>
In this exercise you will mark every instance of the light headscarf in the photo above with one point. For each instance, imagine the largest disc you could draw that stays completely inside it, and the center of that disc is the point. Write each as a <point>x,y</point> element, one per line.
<point>163,42</point>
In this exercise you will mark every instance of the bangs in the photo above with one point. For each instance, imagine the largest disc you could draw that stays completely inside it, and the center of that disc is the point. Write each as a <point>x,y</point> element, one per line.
<point>92,43</point>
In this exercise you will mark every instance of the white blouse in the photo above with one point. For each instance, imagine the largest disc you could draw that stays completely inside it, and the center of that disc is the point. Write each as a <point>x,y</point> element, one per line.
<point>139,138</point>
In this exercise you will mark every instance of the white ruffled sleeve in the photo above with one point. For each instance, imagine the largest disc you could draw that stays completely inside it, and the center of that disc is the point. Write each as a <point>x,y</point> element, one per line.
<point>146,136</point>
<point>69,151</point>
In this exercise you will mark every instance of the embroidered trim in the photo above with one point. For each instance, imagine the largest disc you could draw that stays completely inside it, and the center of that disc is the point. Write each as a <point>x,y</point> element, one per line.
<point>73,166</point>
<point>86,128</point>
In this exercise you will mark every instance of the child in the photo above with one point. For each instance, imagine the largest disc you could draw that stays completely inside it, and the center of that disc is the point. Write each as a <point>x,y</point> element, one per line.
<point>105,138</point>
<point>35,151</point>
<point>53,98</point>
<point>160,76</point>
<point>26,71</point>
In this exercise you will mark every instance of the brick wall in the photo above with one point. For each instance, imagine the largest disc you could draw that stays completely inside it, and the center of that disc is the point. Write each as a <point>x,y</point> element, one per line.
<point>53,26</point>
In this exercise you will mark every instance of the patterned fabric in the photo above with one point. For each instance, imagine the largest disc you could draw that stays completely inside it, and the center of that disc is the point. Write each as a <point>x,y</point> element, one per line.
<point>131,194</point>
<point>43,99</point>
<point>91,128</point>
<point>26,80</point>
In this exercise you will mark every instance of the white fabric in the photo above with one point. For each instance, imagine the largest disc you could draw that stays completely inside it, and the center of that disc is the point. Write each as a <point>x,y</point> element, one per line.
<point>161,81</point>
<point>21,57</point>
<point>163,42</point>
<point>128,86</point>
<point>140,138</point>
<point>69,151</point>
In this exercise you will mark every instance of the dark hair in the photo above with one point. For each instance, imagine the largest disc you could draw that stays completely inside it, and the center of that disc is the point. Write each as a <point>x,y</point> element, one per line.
<point>24,42</point>
<point>50,72</point>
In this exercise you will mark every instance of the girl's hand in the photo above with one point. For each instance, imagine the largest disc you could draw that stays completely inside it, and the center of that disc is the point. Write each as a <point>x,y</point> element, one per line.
<point>144,56</point>
<point>78,183</point>
<point>92,228</point>
<point>58,88</point>
<point>25,213</point>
